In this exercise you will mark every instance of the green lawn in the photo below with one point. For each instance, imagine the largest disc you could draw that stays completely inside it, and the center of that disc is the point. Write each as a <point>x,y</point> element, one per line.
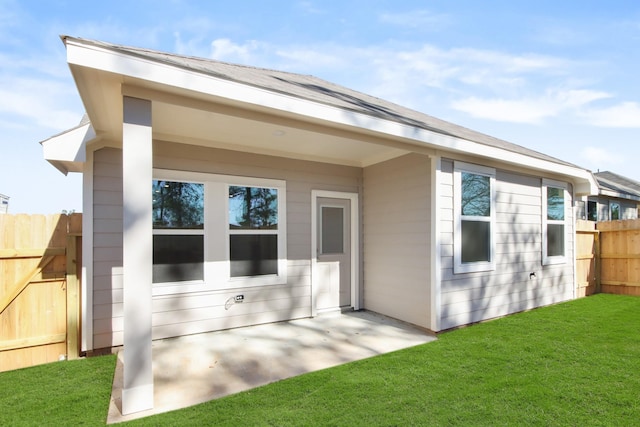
<point>576,363</point>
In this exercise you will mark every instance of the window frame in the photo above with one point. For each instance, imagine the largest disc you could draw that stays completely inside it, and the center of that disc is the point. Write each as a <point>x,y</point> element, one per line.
<point>185,232</point>
<point>555,259</point>
<point>471,267</point>
<point>282,266</point>
<point>217,264</point>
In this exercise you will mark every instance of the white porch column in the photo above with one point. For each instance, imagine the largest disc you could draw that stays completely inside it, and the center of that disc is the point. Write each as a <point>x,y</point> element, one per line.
<point>137,173</point>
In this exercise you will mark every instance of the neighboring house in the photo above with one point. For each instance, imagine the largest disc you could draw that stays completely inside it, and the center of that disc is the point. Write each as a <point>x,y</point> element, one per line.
<point>618,198</point>
<point>4,204</point>
<point>220,195</point>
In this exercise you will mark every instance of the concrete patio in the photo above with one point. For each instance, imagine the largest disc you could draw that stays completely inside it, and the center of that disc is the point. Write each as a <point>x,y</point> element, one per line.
<point>198,368</point>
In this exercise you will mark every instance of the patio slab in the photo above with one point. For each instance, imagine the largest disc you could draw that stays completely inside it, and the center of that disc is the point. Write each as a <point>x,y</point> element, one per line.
<point>197,368</point>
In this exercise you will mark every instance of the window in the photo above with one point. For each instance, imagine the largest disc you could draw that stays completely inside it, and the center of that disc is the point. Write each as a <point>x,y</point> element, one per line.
<point>332,236</point>
<point>614,211</point>
<point>253,231</point>
<point>554,222</point>
<point>217,232</point>
<point>178,231</point>
<point>474,215</point>
<point>592,211</point>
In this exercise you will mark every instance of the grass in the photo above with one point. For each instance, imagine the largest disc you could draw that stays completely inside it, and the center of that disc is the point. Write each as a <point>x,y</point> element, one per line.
<point>576,363</point>
<point>58,394</point>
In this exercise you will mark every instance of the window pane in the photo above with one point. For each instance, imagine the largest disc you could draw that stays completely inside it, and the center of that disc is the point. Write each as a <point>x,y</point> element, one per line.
<point>476,241</point>
<point>332,230</point>
<point>476,194</point>
<point>615,211</point>
<point>253,208</point>
<point>555,240</point>
<point>555,204</point>
<point>253,255</point>
<point>592,211</point>
<point>177,258</point>
<point>178,205</point>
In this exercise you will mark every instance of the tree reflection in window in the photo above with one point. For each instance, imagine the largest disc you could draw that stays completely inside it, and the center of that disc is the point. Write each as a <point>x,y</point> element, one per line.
<point>178,231</point>
<point>615,211</point>
<point>178,205</point>
<point>555,204</point>
<point>555,222</point>
<point>476,195</point>
<point>253,208</point>
<point>253,225</point>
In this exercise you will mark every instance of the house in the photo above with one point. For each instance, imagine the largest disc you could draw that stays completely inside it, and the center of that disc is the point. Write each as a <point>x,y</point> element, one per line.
<point>218,196</point>
<point>618,197</point>
<point>4,204</point>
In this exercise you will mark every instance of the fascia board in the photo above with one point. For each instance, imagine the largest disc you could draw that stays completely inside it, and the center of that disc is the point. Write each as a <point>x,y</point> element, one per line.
<point>91,56</point>
<point>67,151</point>
<point>611,193</point>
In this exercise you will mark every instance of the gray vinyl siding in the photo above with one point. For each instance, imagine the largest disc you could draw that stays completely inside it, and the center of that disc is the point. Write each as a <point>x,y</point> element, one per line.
<point>195,312</point>
<point>107,248</point>
<point>472,297</point>
<point>396,222</point>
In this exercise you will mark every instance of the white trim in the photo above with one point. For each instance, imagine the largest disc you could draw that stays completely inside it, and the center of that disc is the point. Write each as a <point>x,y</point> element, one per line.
<point>88,54</point>
<point>217,265</point>
<point>137,255</point>
<point>436,247</point>
<point>87,254</point>
<point>67,151</point>
<point>355,245</point>
<point>568,214</point>
<point>458,265</point>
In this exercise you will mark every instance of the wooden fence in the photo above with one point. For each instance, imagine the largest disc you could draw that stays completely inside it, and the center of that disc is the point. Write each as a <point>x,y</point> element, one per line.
<point>608,257</point>
<point>39,289</point>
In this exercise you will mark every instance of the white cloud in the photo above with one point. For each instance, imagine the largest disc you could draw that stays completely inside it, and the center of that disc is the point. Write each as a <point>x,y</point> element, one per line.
<point>42,102</point>
<point>515,111</point>
<point>528,109</point>
<point>623,115</point>
<point>247,53</point>
<point>415,19</point>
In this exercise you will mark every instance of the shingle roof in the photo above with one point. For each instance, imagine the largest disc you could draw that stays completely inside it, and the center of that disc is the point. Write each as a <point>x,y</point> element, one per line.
<point>317,90</point>
<point>618,183</point>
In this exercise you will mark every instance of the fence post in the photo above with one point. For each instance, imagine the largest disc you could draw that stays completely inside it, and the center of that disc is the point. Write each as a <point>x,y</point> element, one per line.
<point>73,308</point>
<point>597,263</point>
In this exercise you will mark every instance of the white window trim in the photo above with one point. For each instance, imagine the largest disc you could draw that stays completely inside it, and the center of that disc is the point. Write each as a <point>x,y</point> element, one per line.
<point>458,265</point>
<point>559,259</point>
<point>217,273</point>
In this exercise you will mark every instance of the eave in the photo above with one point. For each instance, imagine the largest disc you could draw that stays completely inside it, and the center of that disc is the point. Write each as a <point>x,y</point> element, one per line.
<point>103,75</point>
<point>67,151</point>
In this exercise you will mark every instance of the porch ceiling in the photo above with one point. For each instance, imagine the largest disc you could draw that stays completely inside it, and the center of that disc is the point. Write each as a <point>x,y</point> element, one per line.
<point>266,135</point>
<point>187,117</point>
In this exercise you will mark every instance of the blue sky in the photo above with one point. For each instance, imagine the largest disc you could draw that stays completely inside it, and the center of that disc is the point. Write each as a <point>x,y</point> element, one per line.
<point>560,77</point>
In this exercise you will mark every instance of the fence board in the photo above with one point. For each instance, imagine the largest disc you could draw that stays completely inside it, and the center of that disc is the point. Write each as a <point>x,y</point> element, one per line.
<point>587,247</point>
<point>39,315</point>
<point>618,256</point>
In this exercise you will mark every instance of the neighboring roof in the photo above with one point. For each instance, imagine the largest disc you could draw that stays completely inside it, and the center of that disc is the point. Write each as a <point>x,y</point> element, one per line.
<point>615,185</point>
<point>315,89</point>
